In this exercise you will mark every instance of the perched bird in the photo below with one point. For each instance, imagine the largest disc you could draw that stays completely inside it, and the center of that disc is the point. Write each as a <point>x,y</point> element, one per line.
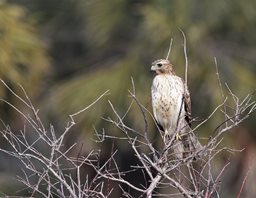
<point>172,108</point>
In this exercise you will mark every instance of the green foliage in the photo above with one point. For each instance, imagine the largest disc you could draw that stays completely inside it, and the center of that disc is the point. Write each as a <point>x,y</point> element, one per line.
<point>22,56</point>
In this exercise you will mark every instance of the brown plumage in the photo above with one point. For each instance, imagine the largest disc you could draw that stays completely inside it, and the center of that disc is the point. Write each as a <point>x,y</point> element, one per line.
<point>172,108</point>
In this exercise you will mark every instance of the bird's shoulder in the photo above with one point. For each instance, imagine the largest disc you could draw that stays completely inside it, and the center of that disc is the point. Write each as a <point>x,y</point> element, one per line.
<point>168,77</point>
<point>168,80</point>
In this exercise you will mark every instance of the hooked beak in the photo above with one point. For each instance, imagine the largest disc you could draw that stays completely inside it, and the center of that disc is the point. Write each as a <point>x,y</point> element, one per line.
<point>153,68</point>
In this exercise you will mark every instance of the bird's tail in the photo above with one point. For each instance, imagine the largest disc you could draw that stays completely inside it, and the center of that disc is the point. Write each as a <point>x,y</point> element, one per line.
<point>191,145</point>
<point>188,145</point>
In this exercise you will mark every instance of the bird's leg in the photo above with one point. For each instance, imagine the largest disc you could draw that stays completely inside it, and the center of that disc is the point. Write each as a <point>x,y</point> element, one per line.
<point>166,137</point>
<point>178,137</point>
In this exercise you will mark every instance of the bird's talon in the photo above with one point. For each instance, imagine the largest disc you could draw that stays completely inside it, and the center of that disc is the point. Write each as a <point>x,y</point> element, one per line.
<point>178,137</point>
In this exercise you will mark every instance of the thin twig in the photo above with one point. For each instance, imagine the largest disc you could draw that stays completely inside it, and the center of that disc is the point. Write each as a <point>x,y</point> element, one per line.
<point>186,56</point>
<point>221,89</point>
<point>89,106</point>
<point>243,183</point>
<point>169,50</point>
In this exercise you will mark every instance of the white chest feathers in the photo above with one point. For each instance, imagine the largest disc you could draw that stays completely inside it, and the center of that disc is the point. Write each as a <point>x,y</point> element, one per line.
<point>167,100</point>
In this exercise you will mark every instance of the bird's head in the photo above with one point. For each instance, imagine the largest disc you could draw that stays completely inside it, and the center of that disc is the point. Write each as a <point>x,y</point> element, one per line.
<point>162,66</point>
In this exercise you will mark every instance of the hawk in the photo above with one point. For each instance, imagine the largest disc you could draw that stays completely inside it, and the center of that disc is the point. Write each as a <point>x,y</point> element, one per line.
<point>172,108</point>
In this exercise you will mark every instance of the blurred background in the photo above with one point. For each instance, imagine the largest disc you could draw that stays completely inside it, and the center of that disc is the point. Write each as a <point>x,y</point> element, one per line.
<point>66,53</point>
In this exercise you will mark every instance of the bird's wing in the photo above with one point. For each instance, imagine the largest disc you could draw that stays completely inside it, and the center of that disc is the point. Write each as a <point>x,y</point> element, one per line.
<point>187,103</point>
<point>154,106</point>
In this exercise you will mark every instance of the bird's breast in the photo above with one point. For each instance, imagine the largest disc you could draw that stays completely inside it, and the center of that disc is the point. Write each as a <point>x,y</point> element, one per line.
<point>167,93</point>
<point>167,88</point>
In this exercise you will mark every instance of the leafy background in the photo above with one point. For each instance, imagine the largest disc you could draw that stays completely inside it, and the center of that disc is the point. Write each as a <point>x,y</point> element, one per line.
<point>66,53</point>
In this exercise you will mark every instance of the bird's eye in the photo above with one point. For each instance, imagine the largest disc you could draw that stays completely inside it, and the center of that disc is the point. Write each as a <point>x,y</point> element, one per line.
<point>159,64</point>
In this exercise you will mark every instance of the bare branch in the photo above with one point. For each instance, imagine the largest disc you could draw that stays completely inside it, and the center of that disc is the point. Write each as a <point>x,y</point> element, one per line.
<point>169,50</point>
<point>89,106</point>
<point>243,183</point>
<point>186,56</point>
